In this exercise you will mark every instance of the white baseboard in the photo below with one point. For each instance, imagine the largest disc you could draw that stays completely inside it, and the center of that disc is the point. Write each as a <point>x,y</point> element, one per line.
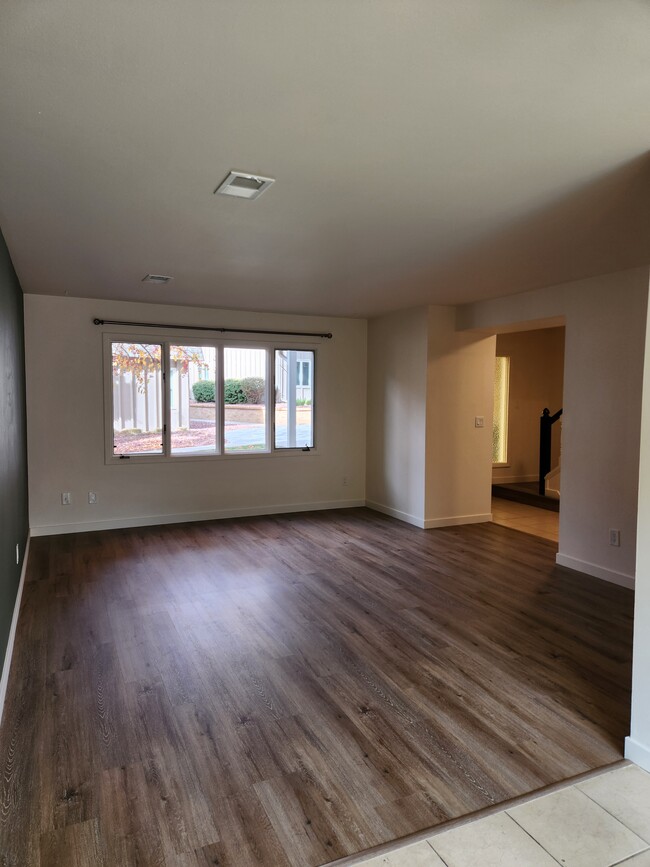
<point>456,520</point>
<point>213,515</point>
<point>637,753</point>
<point>428,523</point>
<point>620,578</point>
<point>395,513</point>
<point>513,480</point>
<point>4,680</point>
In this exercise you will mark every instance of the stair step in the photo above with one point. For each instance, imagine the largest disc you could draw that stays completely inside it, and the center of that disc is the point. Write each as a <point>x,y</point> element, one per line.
<point>526,493</point>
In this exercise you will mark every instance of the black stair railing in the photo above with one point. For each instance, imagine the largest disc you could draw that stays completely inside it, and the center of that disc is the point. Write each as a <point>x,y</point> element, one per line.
<point>546,423</point>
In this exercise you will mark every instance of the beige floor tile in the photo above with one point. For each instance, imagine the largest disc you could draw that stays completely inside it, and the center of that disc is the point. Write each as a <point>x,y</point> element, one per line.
<point>577,831</point>
<point>417,855</point>
<point>642,860</point>
<point>527,519</point>
<point>496,841</point>
<point>625,793</point>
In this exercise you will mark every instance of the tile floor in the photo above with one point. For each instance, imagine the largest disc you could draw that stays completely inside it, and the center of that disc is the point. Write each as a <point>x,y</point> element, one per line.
<point>528,519</point>
<point>597,822</point>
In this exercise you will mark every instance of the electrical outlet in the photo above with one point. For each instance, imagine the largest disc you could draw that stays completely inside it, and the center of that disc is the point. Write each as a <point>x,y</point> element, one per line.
<point>17,553</point>
<point>615,538</point>
<point>345,481</point>
<point>479,421</point>
<point>66,498</point>
<point>92,497</point>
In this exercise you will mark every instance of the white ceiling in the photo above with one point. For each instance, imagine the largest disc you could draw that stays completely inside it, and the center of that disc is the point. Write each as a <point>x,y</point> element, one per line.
<point>425,152</point>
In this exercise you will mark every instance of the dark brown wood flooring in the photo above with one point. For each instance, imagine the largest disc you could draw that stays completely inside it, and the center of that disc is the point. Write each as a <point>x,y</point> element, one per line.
<point>288,690</point>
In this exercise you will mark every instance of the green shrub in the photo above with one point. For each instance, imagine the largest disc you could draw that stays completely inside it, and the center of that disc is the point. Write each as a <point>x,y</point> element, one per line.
<point>204,391</point>
<point>253,388</point>
<point>232,391</point>
<point>249,390</point>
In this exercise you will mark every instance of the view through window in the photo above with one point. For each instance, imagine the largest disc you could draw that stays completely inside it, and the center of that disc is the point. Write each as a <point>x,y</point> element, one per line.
<point>193,418</point>
<point>138,414</point>
<point>173,399</point>
<point>294,419</point>
<point>244,399</point>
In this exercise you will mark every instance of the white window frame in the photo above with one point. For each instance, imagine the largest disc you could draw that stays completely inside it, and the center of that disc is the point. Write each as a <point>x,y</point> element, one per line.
<point>146,335</point>
<point>312,371</point>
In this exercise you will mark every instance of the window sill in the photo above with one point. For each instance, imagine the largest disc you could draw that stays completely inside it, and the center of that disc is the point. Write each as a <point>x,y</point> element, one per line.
<point>182,459</point>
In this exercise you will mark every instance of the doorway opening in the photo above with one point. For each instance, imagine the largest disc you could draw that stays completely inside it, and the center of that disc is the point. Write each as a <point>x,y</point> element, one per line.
<point>527,431</point>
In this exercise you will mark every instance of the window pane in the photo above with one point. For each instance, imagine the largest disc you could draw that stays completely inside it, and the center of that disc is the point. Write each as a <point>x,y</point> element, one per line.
<point>192,376</point>
<point>500,423</point>
<point>137,398</point>
<point>244,393</point>
<point>294,419</point>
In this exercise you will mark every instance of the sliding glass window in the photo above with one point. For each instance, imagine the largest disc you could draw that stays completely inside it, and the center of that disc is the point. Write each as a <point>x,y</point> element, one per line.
<point>137,398</point>
<point>294,399</point>
<point>179,399</point>
<point>192,403</point>
<point>245,399</point>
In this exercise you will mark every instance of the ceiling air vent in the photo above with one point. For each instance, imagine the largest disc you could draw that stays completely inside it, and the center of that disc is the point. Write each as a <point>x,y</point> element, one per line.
<point>156,278</point>
<point>244,186</point>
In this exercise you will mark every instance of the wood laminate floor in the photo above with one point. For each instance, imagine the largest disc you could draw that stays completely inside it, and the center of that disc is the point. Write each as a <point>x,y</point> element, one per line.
<point>289,690</point>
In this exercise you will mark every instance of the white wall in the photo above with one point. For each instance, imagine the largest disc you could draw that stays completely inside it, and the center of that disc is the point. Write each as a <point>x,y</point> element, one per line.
<point>637,746</point>
<point>427,462</point>
<point>66,427</point>
<point>604,350</point>
<point>536,379</point>
<point>460,386</point>
<point>397,384</point>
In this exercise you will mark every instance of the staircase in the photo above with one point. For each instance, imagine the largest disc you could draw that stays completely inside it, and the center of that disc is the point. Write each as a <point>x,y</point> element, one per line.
<point>545,494</point>
<point>526,493</point>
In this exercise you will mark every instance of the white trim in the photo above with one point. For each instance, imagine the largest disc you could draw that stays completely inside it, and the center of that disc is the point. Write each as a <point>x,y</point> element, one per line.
<point>4,681</point>
<point>212,515</point>
<point>395,513</point>
<point>456,520</point>
<point>620,578</point>
<point>428,523</point>
<point>637,753</point>
<point>512,480</point>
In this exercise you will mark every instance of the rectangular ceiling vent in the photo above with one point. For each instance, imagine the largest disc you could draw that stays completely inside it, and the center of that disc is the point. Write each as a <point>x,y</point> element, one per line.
<point>244,186</point>
<point>156,278</point>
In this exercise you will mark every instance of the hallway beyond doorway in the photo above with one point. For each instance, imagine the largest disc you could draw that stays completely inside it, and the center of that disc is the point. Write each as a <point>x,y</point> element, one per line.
<point>528,519</point>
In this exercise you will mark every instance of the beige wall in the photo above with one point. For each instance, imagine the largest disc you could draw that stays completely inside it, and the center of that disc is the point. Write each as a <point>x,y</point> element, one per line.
<point>460,384</point>
<point>397,385</point>
<point>66,427</point>
<point>604,349</point>
<point>427,462</point>
<point>536,378</point>
<point>637,747</point>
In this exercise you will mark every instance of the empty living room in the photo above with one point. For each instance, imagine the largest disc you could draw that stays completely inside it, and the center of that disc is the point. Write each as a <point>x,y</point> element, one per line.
<point>285,289</point>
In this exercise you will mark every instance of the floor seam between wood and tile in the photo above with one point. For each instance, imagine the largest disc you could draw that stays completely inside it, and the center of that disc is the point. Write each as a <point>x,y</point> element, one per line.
<point>427,834</point>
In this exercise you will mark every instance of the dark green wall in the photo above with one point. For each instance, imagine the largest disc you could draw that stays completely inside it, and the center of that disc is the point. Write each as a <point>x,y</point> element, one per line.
<point>13,442</point>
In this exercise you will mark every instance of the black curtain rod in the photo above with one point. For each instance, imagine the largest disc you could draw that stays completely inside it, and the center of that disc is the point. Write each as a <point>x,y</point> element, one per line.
<point>328,336</point>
